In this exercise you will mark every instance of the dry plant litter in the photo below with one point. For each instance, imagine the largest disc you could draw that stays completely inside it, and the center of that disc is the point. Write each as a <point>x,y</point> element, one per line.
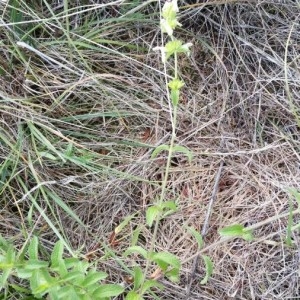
<point>83,105</point>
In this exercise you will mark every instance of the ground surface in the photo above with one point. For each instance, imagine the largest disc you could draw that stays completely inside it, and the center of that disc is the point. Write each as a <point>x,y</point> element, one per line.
<point>82,112</point>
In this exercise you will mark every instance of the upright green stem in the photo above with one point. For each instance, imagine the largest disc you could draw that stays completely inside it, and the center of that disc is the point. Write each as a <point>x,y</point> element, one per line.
<point>163,192</point>
<point>167,171</point>
<point>175,66</point>
<point>168,24</point>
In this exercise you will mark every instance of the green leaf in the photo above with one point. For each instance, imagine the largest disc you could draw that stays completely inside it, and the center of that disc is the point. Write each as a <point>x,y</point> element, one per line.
<point>34,281</point>
<point>135,236</point>
<point>74,277</point>
<point>236,230</point>
<point>138,277</point>
<point>168,207</point>
<point>40,282</point>
<point>247,236</point>
<point>175,97</point>
<point>208,268</point>
<point>39,136</point>
<point>151,214</point>
<point>124,223</point>
<point>107,290</point>
<point>34,264</point>
<point>46,283</point>
<point>184,150</point>
<point>61,268</point>
<point>159,149</point>
<point>8,260</point>
<point>71,262</point>
<point>93,277</point>
<point>232,230</point>
<point>53,293</point>
<point>57,254</point>
<point>196,235</point>
<point>169,204</point>
<point>66,292</point>
<point>33,248</point>
<point>175,85</point>
<point>64,206</point>
<point>24,273</point>
<point>149,284</point>
<point>69,150</point>
<point>4,277</point>
<point>165,259</point>
<point>136,249</point>
<point>132,295</point>
<point>81,266</point>
<point>4,245</point>
<point>20,290</point>
<point>47,155</point>
<point>173,275</point>
<point>10,256</point>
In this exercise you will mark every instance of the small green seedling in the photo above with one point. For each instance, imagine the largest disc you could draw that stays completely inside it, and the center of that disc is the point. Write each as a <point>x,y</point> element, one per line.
<point>237,231</point>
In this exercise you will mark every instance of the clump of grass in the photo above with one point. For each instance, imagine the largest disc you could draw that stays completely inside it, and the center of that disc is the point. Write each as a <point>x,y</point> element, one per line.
<point>66,142</point>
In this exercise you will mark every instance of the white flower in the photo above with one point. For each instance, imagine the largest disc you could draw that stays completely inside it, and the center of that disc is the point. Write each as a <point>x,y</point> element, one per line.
<point>162,51</point>
<point>186,47</point>
<point>171,6</point>
<point>166,27</point>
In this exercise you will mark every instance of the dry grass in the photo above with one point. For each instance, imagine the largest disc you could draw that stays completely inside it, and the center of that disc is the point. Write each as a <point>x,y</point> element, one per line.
<point>105,116</point>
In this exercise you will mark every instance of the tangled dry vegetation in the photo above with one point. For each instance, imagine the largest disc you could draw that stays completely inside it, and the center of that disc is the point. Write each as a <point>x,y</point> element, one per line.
<point>81,116</point>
